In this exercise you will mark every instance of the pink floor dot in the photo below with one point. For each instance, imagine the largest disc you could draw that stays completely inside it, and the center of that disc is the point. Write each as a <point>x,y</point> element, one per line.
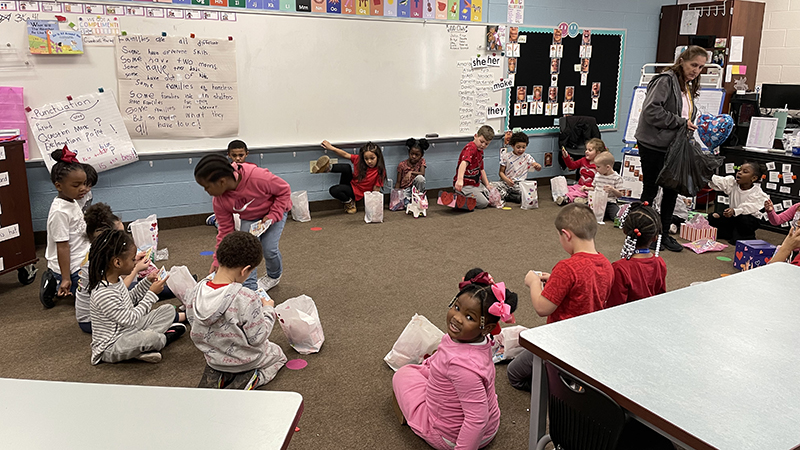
<point>296,364</point>
<point>316,228</point>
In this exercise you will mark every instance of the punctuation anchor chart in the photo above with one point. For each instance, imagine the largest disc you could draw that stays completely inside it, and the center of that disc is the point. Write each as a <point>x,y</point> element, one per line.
<point>178,87</point>
<point>89,125</point>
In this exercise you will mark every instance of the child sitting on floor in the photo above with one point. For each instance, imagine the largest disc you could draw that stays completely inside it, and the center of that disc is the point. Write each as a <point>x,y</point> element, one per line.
<point>514,167</point>
<point>740,220</point>
<point>411,172</point>
<point>367,173</point>
<point>470,181</point>
<point>231,323</point>
<point>450,400</point>
<point>123,326</point>
<point>609,181</point>
<point>586,167</point>
<point>789,214</point>
<point>640,272</point>
<point>578,285</point>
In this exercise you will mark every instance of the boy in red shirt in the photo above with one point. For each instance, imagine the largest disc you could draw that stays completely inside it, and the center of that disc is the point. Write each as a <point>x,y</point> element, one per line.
<point>470,179</point>
<point>578,285</point>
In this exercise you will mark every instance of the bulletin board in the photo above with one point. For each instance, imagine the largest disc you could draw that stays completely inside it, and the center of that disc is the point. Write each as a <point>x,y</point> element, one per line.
<point>301,78</point>
<point>534,69</point>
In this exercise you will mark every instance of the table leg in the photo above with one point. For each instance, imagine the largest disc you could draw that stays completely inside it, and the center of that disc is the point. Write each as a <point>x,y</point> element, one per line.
<point>538,403</point>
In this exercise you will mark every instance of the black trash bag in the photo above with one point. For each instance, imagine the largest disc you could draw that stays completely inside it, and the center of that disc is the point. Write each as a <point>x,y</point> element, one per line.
<point>687,168</point>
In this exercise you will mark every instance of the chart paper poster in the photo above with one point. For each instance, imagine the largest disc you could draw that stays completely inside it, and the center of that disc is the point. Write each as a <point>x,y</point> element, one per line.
<point>177,87</point>
<point>89,125</point>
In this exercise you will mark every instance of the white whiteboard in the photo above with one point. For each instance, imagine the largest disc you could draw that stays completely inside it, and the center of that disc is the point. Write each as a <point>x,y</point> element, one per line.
<point>301,79</point>
<point>708,102</point>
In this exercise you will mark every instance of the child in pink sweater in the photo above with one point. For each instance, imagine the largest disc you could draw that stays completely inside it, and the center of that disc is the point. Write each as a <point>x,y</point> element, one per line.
<point>789,214</point>
<point>587,170</point>
<point>449,400</point>
<point>257,195</point>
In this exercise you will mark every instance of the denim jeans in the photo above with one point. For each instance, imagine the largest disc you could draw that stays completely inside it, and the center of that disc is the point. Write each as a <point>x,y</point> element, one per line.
<point>272,254</point>
<point>73,277</point>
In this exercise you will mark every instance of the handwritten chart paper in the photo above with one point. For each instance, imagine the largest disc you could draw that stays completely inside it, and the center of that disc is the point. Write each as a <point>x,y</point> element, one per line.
<point>90,125</point>
<point>173,87</point>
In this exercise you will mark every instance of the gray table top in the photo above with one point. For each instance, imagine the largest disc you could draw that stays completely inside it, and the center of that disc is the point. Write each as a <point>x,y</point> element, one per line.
<point>715,365</point>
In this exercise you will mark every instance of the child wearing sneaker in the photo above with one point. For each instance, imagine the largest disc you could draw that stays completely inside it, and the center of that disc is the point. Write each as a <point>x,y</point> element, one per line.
<point>640,272</point>
<point>450,400</point>
<point>237,152</point>
<point>609,181</point>
<point>470,180</point>
<point>231,323</point>
<point>67,244</point>
<point>514,167</point>
<point>578,285</point>
<point>587,170</point>
<point>257,195</point>
<point>123,326</point>
<point>367,173</point>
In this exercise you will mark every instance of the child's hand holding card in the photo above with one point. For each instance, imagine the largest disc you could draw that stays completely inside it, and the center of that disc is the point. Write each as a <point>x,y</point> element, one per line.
<point>162,273</point>
<point>258,228</point>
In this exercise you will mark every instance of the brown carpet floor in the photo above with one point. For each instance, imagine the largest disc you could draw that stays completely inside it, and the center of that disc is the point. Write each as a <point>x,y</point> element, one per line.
<point>367,281</point>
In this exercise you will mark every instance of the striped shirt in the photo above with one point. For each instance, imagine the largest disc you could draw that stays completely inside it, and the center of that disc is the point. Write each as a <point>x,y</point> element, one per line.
<point>114,309</point>
<point>614,180</point>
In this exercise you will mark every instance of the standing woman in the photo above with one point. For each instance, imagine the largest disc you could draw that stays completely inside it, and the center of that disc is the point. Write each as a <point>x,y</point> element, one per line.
<point>668,110</point>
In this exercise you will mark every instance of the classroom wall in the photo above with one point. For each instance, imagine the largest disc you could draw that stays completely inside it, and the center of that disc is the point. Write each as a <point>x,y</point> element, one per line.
<point>166,187</point>
<point>779,59</point>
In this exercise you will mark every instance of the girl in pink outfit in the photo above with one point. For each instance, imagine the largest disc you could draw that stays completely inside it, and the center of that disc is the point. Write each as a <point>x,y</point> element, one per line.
<point>449,400</point>
<point>789,214</point>
<point>587,170</point>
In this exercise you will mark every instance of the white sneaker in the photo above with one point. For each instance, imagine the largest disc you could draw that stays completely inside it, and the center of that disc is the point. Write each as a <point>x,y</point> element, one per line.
<point>673,229</point>
<point>266,283</point>
<point>151,357</point>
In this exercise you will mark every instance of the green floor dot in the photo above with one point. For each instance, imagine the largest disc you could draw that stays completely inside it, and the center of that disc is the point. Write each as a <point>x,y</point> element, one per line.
<point>723,258</point>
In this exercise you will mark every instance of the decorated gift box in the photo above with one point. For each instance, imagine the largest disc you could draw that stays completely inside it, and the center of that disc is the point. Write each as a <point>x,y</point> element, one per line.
<point>698,228</point>
<point>757,252</point>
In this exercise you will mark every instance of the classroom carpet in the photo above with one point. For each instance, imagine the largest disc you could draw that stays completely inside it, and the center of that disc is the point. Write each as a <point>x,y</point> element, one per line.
<point>367,280</point>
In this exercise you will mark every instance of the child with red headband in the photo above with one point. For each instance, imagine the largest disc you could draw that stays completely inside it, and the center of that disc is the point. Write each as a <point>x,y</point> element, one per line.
<point>67,243</point>
<point>449,400</point>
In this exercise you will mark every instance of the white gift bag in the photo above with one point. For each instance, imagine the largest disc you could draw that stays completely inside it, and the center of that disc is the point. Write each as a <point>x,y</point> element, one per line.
<point>597,201</point>
<point>530,194</point>
<point>180,282</point>
<point>145,233</point>
<point>419,338</point>
<point>506,344</point>
<point>373,207</point>
<point>300,323</point>
<point>300,210</point>
<point>558,187</point>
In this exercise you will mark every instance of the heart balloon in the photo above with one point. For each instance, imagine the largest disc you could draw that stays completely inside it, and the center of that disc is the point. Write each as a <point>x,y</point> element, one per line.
<point>713,130</point>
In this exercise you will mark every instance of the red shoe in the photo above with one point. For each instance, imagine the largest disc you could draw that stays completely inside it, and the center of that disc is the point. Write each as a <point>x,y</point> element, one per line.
<point>446,199</point>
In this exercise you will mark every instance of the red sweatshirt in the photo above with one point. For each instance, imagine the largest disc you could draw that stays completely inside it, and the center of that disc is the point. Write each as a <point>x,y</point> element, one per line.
<point>259,193</point>
<point>586,169</point>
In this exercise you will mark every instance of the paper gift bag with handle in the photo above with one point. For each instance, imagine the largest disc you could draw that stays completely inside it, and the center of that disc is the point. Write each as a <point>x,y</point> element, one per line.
<point>300,211</point>
<point>145,233</point>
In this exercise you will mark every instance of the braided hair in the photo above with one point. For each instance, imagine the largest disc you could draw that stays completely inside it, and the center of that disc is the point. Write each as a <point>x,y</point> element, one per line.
<point>641,225</point>
<point>108,245</point>
<point>361,167</point>
<point>482,291</point>
<point>62,168</point>
<point>212,168</point>
<point>421,145</point>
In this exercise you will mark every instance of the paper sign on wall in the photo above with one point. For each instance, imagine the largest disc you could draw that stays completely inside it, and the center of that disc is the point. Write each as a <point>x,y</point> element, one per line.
<point>9,232</point>
<point>99,30</point>
<point>4,179</point>
<point>90,125</point>
<point>174,87</point>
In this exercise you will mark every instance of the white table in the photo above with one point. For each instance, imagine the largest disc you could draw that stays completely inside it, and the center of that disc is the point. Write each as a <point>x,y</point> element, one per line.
<point>57,415</point>
<point>712,366</point>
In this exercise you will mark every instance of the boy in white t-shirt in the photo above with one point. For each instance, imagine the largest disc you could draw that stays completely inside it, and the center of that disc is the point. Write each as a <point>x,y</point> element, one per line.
<point>514,167</point>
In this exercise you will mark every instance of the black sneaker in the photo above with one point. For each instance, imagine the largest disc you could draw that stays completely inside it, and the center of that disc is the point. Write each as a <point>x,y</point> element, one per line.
<point>242,381</point>
<point>211,379</point>
<point>48,289</point>
<point>670,243</point>
<point>174,332</point>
